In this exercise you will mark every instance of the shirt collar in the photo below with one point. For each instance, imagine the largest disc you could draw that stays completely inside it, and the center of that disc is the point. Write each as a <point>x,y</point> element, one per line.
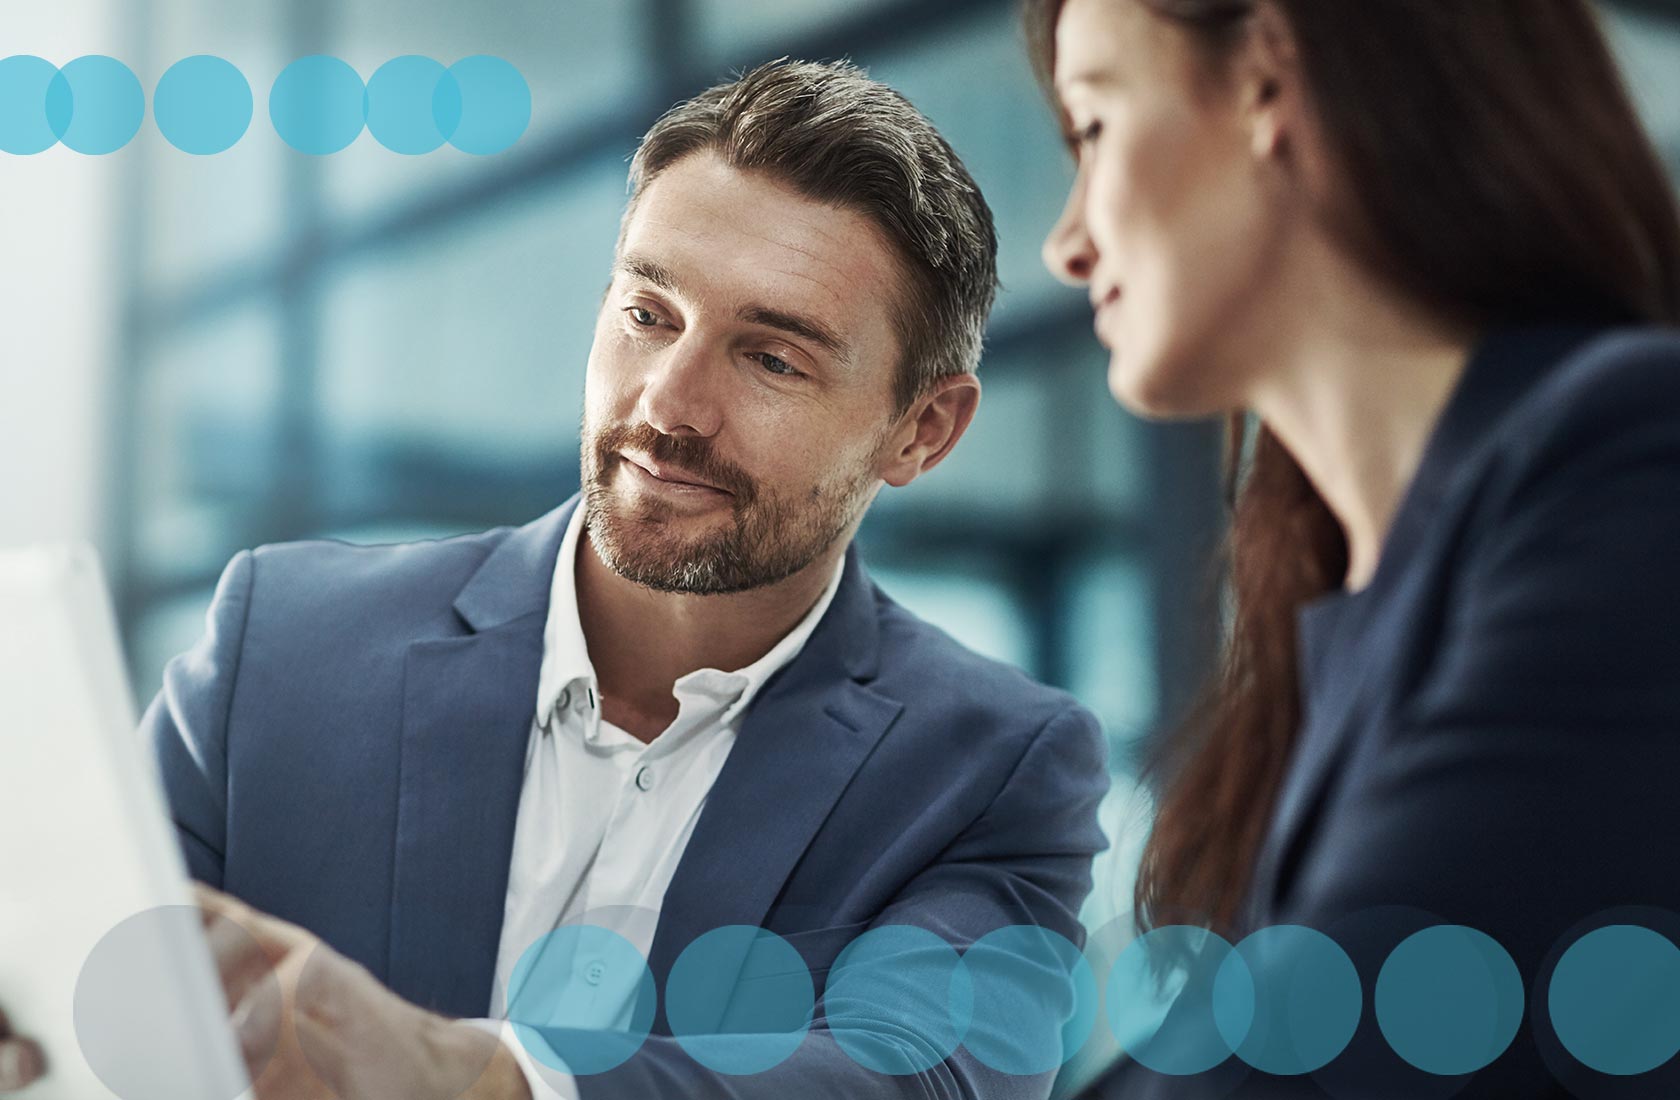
<point>566,655</point>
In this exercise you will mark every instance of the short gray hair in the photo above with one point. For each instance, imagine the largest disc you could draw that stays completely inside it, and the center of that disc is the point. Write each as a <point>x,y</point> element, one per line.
<point>832,134</point>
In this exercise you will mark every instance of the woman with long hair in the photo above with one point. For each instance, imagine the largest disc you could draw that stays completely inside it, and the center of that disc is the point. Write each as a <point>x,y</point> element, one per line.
<point>1423,257</point>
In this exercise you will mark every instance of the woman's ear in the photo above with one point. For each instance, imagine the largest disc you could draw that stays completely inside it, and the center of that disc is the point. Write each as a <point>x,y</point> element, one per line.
<point>1272,94</point>
<point>929,429</point>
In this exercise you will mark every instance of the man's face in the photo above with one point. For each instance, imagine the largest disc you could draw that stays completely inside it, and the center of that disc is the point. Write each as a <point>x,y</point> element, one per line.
<point>740,387</point>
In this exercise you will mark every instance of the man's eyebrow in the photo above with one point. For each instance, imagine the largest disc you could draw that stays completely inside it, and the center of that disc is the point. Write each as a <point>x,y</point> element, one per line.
<point>649,271</point>
<point>807,327</point>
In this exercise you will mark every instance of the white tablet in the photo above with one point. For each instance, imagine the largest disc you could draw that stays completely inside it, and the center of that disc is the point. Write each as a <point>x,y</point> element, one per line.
<point>102,958</point>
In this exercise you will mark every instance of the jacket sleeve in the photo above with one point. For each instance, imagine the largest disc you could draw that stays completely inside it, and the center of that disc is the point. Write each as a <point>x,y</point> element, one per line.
<point>185,727</point>
<point>885,1029</point>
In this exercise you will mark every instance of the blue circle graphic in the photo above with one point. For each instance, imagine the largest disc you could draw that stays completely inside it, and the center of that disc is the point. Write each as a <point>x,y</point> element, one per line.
<point>1449,1000</point>
<point>894,981</point>
<point>1306,999</point>
<point>106,104</point>
<point>555,991</point>
<point>750,985</point>
<point>1035,1000</point>
<point>413,105</point>
<point>1161,999</point>
<point>25,126</point>
<point>318,105</point>
<point>1615,999</point>
<point>495,105</point>
<point>202,105</point>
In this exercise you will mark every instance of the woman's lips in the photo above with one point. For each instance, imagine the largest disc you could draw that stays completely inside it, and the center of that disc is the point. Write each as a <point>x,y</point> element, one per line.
<point>1100,308</point>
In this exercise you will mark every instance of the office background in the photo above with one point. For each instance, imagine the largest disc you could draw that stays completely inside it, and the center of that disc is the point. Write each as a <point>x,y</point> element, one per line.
<point>202,354</point>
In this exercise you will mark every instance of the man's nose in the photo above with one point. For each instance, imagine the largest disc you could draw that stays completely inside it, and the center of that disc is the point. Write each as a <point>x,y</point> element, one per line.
<point>680,392</point>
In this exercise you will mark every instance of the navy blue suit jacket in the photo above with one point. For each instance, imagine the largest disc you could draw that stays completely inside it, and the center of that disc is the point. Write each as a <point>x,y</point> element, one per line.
<point>1492,727</point>
<point>345,749</point>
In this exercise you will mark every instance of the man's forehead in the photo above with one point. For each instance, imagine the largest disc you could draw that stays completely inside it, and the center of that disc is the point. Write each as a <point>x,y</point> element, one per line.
<point>722,232</point>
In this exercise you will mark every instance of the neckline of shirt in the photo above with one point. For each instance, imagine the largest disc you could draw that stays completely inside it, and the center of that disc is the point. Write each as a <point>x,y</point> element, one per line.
<point>565,659</point>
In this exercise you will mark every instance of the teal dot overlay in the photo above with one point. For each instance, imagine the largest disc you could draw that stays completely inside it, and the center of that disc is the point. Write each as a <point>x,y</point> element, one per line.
<point>202,105</point>
<point>1035,1000</point>
<point>413,105</point>
<point>495,105</point>
<point>898,1000</point>
<point>555,993</point>
<point>766,1015</point>
<point>318,105</point>
<point>1615,999</point>
<point>1306,999</point>
<point>25,81</point>
<point>1449,1000</point>
<point>1161,1000</point>
<point>106,104</point>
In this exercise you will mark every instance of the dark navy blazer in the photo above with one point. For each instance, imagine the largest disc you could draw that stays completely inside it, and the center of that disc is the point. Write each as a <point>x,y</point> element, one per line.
<point>345,749</point>
<point>1492,727</point>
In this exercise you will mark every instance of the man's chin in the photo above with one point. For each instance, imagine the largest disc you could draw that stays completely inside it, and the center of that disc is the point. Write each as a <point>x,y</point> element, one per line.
<point>639,522</point>
<point>665,553</point>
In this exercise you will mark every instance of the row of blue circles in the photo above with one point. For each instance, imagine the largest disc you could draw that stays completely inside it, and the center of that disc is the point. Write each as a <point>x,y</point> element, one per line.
<point>1024,1000</point>
<point>203,105</point>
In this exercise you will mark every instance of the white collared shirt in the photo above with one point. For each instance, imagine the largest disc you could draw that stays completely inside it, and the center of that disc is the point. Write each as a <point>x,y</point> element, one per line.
<point>604,819</point>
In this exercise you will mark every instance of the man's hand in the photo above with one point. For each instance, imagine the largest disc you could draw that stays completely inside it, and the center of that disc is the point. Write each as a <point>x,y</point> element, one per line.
<point>21,1061</point>
<point>313,1025</point>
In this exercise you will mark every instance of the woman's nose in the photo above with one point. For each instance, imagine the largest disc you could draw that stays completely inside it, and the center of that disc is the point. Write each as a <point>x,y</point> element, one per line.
<point>1068,251</point>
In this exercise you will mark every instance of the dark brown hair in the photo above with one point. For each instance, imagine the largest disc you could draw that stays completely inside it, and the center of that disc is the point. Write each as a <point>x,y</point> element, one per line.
<point>1491,168</point>
<point>835,136</point>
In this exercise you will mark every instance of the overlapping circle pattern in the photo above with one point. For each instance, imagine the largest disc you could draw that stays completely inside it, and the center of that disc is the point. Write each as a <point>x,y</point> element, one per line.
<point>1024,1000</point>
<point>1286,1000</point>
<point>319,105</point>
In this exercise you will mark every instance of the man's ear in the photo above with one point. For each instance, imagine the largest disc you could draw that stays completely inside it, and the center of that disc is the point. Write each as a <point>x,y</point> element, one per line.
<point>929,429</point>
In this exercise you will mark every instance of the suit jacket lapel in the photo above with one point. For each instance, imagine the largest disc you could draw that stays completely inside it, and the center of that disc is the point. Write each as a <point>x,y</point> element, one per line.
<point>800,744</point>
<point>1323,741</point>
<point>469,700</point>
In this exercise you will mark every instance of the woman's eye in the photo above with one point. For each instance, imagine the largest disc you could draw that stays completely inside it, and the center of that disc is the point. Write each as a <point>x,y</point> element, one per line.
<point>772,364</point>
<point>646,318</point>
<point>1090,133</point>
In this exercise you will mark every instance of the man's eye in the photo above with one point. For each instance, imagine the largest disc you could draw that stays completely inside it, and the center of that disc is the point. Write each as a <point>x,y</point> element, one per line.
<point>1090,133</point>
<point>646,318</point>
<point>772,364</point>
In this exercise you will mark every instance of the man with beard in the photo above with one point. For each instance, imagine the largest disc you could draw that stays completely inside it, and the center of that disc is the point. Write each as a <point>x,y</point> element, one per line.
<point>487,777</point>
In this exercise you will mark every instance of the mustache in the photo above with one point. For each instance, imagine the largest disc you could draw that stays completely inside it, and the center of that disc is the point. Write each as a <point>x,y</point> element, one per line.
<point>693,456</point>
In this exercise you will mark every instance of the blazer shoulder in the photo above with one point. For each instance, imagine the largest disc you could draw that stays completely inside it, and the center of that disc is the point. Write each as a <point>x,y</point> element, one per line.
<point>920,661</point>
<point>1620,380</point>
<point>343,580</point>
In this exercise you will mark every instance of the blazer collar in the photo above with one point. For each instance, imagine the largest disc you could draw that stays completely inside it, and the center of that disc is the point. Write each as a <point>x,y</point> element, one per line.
<point>514,580</point>
<point>468,703</point>
<point>1507,363</point>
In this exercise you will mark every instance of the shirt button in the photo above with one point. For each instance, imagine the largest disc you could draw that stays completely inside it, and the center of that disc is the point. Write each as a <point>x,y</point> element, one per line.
<point>594,973</point>
<point>644,779</point>
<point>565,699</point>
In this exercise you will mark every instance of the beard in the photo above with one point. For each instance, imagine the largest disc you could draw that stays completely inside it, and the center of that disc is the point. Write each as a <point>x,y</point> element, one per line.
<point>768,537</point>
